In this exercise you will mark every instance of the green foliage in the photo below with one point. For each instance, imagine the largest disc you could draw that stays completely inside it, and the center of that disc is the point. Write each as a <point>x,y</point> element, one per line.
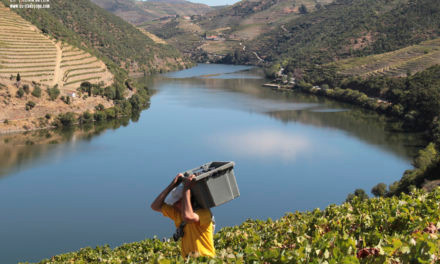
<point>426,157</point>
<point>53,92</point>
<point>30,105</point>
<point>377,230</point>
<point>100,116</point>
<point>100,107</point>
<point>66,119</point>
<point>86,117</point>
<point>350,28</point>
<point>360,193</point>
<point>26,89</point>
<point>18,78</point>
<point>20,92</point>
<point>303,9</point>
<point>427,167</point>
<point>379,190</point>
<point>37,91</point>
<point>415,98</point>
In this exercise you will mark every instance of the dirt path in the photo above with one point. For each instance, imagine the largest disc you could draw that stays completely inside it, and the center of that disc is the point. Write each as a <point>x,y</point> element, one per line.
<point>258,57</point>
<point>58,75</point>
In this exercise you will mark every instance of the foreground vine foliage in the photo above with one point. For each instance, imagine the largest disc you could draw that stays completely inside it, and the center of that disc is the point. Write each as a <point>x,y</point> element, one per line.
<point>401,229</point>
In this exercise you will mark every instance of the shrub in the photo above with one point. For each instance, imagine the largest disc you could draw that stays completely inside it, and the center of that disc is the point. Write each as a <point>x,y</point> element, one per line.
<point>67,119</point>
<point>87,117</point>
<point>30,105</point>
<point>379,190</point>
<point>53,92</point>
<point>303,9</point>
<point>86,87</point>
<point>110,92</point>
<point>110,113</point>
<point>36,92</point>
<point>20,92</point>
<point>100,116</point>
<point>357,193</point>
<point>100,107</point>
<point>65,99</point>
<point>26,89</point>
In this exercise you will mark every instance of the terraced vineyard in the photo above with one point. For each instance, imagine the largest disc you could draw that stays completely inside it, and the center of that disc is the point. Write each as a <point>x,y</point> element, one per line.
<point>25,50</point>
<point>397,63</point>
<point>78,66</point>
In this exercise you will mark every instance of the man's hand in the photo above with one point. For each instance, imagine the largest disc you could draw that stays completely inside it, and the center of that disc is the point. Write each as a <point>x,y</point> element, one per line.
<point>177,179</point>
<point>159,201</point>
<point>189,182</point>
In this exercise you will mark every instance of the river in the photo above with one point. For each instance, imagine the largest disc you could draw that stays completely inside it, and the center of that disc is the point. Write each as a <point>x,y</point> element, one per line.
<point>60,192</point>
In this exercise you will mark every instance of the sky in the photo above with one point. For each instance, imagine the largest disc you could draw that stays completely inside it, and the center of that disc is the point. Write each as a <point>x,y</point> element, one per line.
<point>215,2</point>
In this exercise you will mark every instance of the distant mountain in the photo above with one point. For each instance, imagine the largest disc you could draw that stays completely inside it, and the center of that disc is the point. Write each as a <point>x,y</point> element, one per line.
<point>351,28</point>
<point>138,12</point>
<point>232,26</point>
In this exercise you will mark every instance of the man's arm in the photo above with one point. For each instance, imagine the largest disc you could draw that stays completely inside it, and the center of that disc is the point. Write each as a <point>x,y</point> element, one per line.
<point>159,201</point>
<point>188,214</point>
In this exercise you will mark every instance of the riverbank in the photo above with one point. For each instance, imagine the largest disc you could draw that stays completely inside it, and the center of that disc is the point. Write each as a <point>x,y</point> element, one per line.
<point>401,229</point>
<point>27,106</point>
<point>414,100</point>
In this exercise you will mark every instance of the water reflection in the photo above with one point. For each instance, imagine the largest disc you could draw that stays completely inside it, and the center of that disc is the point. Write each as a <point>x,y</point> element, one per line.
<point>24,150</point>
<point>264,144</point>
<point>287,106</point>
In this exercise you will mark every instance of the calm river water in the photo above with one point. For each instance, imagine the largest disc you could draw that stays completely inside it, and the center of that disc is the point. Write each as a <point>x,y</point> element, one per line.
<point>292,152</point>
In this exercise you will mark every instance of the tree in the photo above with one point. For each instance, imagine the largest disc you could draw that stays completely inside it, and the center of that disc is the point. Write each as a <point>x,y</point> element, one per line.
<point>26,89</point>
<point>30,105</point>
<point>36,92</point>
<point>359,193</point>
<point>18,77</point>
<point>379,190</point>
<point>67,119</point>
<point>20,92</point>
<point>303,9</point>
<point>86,87</point>
<point>53,92</point>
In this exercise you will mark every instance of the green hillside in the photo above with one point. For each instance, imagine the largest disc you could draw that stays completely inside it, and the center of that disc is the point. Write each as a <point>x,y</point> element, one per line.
<point>351,28</point>
<point>232,27</point>
<point>393,230</point>
<point>85,25</point>
<point>396,63</point>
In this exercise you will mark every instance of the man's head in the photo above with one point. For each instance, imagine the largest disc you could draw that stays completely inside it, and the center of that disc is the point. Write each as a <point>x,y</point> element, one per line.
<point>174,198</point>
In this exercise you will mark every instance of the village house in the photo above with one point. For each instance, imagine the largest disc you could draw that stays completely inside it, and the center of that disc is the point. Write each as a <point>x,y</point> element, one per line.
<point>212,37</point>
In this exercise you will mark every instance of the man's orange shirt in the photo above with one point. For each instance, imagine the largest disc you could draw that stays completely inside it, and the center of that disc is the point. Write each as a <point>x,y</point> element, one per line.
<point>198,236</point>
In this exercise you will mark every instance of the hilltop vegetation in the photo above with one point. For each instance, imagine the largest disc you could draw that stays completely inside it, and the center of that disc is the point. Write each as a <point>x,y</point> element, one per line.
<point>351,28</point>
<point>393,230</point>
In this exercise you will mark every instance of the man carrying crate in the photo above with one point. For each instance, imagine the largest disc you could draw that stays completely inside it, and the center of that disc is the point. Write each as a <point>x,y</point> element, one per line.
<point>195,228</point>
